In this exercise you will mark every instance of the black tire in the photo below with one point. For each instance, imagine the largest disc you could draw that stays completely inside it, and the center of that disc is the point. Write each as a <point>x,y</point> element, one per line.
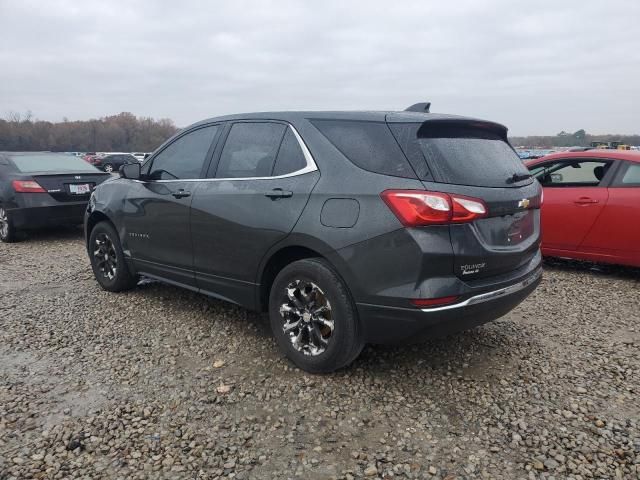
<point>8,233</point>
<point>108,168</point>
<point>107,259</point>
<point>314,283</point>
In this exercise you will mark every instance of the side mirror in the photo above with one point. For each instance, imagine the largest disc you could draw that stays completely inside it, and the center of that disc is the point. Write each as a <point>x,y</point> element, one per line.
<point>130,171</point>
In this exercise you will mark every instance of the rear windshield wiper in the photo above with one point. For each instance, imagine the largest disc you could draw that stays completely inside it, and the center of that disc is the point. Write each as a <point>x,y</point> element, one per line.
<point>518,177</point>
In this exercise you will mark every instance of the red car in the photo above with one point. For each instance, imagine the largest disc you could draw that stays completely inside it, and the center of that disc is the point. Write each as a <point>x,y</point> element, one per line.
<point>591,207</point>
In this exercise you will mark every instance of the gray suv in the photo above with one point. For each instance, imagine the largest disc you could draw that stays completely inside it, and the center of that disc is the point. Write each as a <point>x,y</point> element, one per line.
<point>346,227</point>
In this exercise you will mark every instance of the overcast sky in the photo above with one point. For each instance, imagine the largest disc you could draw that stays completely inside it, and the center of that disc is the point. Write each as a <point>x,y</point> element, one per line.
<point>538,67</point>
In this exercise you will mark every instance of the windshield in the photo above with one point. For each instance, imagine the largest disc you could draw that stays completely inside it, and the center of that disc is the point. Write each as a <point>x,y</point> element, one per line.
<point>462,155</point>
<point>51,162</point>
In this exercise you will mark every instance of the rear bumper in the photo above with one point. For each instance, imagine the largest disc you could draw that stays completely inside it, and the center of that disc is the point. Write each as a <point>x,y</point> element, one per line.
<point>387,324</point>
<point>48,216</point>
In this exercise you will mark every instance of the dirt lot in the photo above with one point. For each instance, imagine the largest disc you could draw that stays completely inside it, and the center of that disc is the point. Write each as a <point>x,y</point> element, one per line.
<point>164,383</point>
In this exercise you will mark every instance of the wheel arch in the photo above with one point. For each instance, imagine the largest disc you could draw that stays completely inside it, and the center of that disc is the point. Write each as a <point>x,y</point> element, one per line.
<point>95,217</point>
<point>297,248</point>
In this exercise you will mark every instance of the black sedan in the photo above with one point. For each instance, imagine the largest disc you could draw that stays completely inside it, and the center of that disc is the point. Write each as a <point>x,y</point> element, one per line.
<point>43,189</point>
<point>111,162</point>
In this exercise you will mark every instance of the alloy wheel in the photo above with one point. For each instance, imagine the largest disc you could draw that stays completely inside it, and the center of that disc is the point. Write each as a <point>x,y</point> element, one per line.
<point>104,253</point>
<point>108,168</point>
<point>307,315</point>
<point>4,223</point>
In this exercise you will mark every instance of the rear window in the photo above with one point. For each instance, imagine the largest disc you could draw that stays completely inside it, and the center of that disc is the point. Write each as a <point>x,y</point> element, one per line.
<point>369,145</point>
<point>51,163</point>
<point>460,154</point>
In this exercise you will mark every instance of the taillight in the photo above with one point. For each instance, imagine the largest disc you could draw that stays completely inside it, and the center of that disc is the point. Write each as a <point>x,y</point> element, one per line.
<point>416,208</point>
<point>27,186</point>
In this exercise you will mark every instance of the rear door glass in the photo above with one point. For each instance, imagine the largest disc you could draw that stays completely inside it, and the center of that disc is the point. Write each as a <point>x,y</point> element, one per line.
<point>461,154</point>
<point>632,176</point>
<point>290,156</point>
<point>250,150</point>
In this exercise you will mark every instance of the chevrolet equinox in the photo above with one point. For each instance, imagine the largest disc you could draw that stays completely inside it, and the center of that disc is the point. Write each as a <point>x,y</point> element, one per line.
<point>346,227</point>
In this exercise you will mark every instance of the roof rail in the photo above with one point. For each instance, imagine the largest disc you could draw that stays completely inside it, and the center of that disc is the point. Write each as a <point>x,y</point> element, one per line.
<point>419,107</point>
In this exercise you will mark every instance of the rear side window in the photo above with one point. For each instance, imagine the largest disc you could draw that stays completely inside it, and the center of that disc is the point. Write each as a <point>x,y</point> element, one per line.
<point>369,145</point>
<point>632,175</point>
<point>250,150</point>
<point>290,156</point>
<point>185,157</point>
<point>460,154</point>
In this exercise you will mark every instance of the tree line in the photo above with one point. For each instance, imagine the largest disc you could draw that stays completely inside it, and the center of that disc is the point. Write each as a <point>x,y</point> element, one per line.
<point>116,133</point>
<point>579,138</point>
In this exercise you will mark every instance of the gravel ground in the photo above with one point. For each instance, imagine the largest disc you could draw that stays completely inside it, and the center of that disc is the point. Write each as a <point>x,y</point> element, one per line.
<point>163,383</point>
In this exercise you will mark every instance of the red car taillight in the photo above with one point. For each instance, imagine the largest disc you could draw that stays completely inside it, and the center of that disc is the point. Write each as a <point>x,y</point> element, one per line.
<point>415,208</point>
<point>434,302</point>
<point>27,186</point>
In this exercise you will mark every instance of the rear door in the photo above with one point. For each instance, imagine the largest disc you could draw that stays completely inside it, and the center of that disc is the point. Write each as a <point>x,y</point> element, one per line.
<point>256,193</point>
<point>157,210</point>
<point>474,159</point>
<point>574,197</point>
<point>616,232</point>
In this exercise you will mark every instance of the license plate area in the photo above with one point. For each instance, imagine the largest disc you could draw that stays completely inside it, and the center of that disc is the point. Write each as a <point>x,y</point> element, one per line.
<point>79,188</point>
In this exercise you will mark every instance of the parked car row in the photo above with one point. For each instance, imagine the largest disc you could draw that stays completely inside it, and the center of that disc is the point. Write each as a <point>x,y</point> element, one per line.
<point>345,228</point>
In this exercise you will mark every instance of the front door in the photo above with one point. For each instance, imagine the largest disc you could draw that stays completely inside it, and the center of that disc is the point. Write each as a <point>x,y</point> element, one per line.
<point>157,209</point>
<point>258,191</point>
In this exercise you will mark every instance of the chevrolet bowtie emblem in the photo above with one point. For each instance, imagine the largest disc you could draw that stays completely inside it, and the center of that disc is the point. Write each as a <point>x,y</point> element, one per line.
<point>524,203</point>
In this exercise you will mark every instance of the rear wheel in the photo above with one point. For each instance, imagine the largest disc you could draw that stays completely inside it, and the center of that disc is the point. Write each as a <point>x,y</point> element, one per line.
<point>107,259</point>
<point>7,230</point>
<point>313,317</point>
<point>108,168</point>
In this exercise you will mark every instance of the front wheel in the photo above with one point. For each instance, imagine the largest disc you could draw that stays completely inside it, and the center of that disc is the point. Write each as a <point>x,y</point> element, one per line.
<point>108,168</point>
<point>107,259</point>
<point>313,317</point>
<point>8,232</point>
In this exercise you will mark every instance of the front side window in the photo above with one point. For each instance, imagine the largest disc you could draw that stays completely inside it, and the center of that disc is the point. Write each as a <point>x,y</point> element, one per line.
<point>571,173</point>
<point>185,157</point>
<point>250,150</point>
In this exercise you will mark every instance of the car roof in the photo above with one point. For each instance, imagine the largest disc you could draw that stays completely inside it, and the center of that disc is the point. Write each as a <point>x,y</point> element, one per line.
<point>371,116</point>
<point>629,155</point>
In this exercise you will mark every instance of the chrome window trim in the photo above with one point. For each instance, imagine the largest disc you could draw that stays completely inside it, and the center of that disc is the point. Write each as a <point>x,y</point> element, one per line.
<point>310,166</point>
<point>485,297</point>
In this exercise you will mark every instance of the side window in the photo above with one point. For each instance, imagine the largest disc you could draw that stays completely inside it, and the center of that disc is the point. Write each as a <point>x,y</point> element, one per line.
<point>571,173</point>
<point>631,176</point>
<point>250,150</point>
<point>290,156</point>
<point>185,157</point>
<point>369,145</point>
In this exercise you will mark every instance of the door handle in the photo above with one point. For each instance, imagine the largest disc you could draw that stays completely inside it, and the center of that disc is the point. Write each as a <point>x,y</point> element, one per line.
<point>278,193</point>
<point>181,193</point>
<point>586,201</point>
